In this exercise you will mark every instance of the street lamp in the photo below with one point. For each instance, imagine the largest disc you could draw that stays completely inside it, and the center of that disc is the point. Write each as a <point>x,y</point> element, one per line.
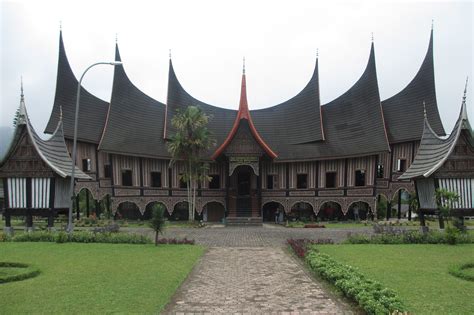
<point>70,226</point>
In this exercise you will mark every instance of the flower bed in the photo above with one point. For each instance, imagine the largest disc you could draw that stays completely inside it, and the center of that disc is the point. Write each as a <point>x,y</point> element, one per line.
<point>300,246</point>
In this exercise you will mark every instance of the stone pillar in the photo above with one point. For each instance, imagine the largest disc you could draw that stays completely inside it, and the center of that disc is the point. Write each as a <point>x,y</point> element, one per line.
<point>87,203</point>
<point>8,229</point>
<point>51,220</point>
<point>389,209</point>
<point>29,221</point>
<point>78,211</point>
<point>399,209</point>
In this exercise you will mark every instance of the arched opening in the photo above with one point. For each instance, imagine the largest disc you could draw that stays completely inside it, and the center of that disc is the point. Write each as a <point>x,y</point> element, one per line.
<point>330,211</point>
<point>358,210</point>
<point>243,192</point>
<point>149,210</point>
<point>301,211</point>
<point>382,206</point>
<point>213,212</point>
<point>400,204</point>
<point>180,212</point>
<point>273,212</point>
<point>128,211</point>
<point>85,205</point>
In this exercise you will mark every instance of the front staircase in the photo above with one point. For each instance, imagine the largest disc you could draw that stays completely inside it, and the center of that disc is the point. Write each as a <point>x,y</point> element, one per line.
<point>243,221</point>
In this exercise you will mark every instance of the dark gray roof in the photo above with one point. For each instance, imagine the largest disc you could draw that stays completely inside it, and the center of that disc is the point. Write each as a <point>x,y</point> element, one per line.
<point>434,150</point>
<point>135,121</point>
<point>92,111</point>
<point>52,151</point>
<point>403,112</point>
<point>353,124</point>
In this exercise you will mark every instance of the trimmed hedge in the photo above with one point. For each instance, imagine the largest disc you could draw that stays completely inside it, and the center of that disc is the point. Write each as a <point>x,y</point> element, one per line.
<point>80,237</point>
<point>412,237</point>
<point>458,271</point>
<point>30,272</point>
<point>369,294</point>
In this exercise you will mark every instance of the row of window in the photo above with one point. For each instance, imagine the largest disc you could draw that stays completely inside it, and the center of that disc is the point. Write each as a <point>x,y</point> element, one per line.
<point>272,180</point>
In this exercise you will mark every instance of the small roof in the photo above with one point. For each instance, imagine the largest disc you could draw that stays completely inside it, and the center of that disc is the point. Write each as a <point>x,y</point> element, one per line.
<point>52,151</point>
<point>135,121</point>
<point>403,112</point>
<point>92,113</point>
<point>244,114</point>
<point>434,150</point>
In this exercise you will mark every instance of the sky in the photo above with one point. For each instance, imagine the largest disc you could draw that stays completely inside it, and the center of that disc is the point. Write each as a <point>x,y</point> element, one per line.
<point>208,40</point>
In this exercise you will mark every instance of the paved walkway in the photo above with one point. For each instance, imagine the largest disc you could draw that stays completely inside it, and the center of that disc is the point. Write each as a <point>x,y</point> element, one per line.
<point>265,236</point>
<point>251,281</point>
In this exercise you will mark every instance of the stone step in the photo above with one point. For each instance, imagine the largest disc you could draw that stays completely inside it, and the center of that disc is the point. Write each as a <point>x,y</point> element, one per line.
<point>244,221</point>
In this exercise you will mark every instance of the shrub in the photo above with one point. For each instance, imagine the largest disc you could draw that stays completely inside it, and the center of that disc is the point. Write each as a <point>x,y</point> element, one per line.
<point>81,237</point>
<point>458,271</point>
<point>29,272</point>
<point>413,237</point>
<point>300,246</point>
<point>369,294</point>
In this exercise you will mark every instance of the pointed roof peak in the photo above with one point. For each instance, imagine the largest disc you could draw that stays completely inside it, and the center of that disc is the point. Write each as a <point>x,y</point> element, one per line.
<point>170,53</point>
<point>372,36</point>
<point>243,66</point>
<point>464,106</point>
<point>432,24</point>
<point>117,52</point>
<point>22,115</point>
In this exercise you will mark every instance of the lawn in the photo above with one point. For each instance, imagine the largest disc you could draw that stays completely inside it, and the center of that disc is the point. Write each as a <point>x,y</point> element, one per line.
<point>95,278</point>
<point>419,273</point>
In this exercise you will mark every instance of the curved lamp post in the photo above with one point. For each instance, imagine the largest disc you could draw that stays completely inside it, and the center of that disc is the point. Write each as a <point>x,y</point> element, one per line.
<point>70,226</point>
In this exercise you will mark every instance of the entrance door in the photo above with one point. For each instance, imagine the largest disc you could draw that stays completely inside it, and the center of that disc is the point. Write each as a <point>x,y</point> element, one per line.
<point>243,183</point>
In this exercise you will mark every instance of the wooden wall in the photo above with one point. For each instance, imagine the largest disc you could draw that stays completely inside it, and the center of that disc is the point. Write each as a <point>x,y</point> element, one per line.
<point>363,163</point>
<point>331,166</point>
<point>303,168</point>
<point>269,168</point>
<point>121,162</point>
<point>154,165</point>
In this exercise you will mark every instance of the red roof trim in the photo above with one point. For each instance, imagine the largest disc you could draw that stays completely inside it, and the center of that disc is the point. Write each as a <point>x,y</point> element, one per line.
<point>243,113</point>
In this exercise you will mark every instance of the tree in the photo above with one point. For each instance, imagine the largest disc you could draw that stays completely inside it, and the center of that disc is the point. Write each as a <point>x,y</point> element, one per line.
<point>445,200</point>
<point>157,222</point>
<point>187,145</point>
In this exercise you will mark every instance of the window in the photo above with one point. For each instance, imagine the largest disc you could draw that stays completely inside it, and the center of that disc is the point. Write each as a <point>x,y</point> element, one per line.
<point>155,179</point>
<point>330,179</point>
<point>107,171</point>
<point>360,178</point>
<point>270,183</point>
<point>215,182</point>
<point>182,183</point>
<point>302,181</point>
<point>127,178</point>
<point>380,173</point>
<point>401,165</point>
<point>86,165</point>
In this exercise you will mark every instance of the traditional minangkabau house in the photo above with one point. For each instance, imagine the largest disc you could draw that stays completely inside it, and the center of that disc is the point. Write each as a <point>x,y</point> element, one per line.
<point>446,163</point>
<point>298,157</point>
<point>36,173</point>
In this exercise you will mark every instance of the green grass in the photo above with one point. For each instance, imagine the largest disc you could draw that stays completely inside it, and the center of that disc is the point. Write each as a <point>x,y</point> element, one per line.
<point>419,273</point>
<point>95,278</point>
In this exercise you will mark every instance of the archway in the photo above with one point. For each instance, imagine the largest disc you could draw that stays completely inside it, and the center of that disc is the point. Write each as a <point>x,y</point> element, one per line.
<point>330,211</point>
<point>213,212</point>
<point>85,204</point>
<point>128,211</point>
<point>105,206</point>
<point>400,204</point>
<point>358,210</point>
<point>243,186</point>
<point>382,205</point>
<point>180,212</point>
<point>301,211</point>
<point>149,210</point>
<point>273,212</point>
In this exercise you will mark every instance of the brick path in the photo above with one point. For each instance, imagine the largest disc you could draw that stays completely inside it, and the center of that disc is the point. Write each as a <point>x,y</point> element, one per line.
<point>251,281</point>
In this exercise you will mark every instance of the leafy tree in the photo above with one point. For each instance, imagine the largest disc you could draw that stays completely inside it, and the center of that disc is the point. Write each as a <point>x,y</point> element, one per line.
<point>191,140</point>
<point>157,222</point>
<point>445,200</point>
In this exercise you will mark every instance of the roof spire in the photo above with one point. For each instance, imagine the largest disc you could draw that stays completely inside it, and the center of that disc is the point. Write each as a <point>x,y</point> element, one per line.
<point>432,24</point>
<point>372,37</point>
<point>21,118</point>
<point>21,89</point>
<point>60,25</point>
<point>170,53</point>
<point>424,110</point>
<point>465,91</point>
<point>243,68</point>
<point>116,38</point>
<point>317,53</point>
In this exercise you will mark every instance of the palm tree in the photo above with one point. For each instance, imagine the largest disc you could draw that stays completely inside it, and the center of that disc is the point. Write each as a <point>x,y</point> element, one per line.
<point>190,141</point>
<point>157,222</point>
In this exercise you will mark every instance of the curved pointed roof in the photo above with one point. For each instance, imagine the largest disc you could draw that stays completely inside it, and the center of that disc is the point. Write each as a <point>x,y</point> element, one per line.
<point>404,111</point>
<point>434,150</point>
<point>135,121</point>
<point>52,151</point>
<point>244,114</point>
<point>92,112</point>
<point>353,124</point>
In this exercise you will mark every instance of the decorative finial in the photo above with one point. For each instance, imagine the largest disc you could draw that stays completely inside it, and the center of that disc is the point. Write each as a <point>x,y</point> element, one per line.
<point>116,38</point>
<point>432,24</point>
<point>21,88</point>
<point>61,112</point>
<point>170,53</point>
<point>465,91</point>
<point>243,69</point>
<point>317,53</point>
<point>60,25</point>
<point>424,110</point>
<point>372,37</point>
